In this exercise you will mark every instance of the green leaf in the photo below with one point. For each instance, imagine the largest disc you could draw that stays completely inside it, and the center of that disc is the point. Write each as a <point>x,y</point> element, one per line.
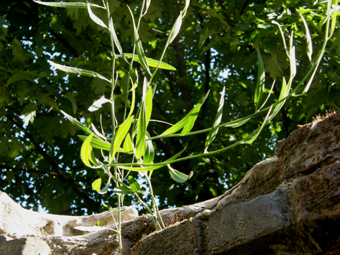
<point>177,175</point>
<point>119,137</point>
<point>68,4</point>
<point>237,123</point>
<point>334,18</point>
<point>29,117</point>
<point>98,104</point>
<point>258,131</point>
<point>133,100</point>
<point>128,145</point>
<point>134,185</point>
<point>151,62</point>
<point>71,96</point>
<point>150,168</point>
<point>112,209</point>
<point>308,38</point>
<point>105,189</point>
<point>97,132</point>
<point>149,153</point>
<point>77,71</point>
<point>285,89</point>
<point>175,30</point>
<point>96,184</point>
<point>260,81</point>
<point>97,20</point>
<point>192,116</point>
<point>86,152</point>
<point>142,124</point>
<point>188,121</point>
<point>272,66</point>
<point>123,190</point>
<point>76,123</point>
<point>214,130</point>
<point>292,63</point>
<point>148,105</point>
<point>96,143</point>
<point>283,37</point>
<point>139,46</point>
<point>114,38</point>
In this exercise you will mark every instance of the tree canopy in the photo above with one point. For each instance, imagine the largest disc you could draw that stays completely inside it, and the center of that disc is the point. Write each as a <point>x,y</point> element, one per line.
<point>217,46</point>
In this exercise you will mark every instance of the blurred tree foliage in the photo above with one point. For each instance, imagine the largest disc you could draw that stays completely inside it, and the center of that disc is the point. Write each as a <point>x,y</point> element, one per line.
<point>39,150</point>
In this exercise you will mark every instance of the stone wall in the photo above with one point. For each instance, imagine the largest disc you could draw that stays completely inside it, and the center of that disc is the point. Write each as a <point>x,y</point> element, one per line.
<point>287,204</point>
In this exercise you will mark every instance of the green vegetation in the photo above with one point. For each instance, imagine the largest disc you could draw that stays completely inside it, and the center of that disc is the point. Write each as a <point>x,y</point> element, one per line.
<point>40,152</point>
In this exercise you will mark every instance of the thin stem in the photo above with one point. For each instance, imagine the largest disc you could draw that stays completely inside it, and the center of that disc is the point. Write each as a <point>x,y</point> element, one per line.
<point>154,203</point>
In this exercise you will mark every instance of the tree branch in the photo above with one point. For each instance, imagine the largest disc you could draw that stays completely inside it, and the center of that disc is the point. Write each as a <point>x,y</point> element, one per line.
<point>225,15</point>
<point>91,204</point>
<point>27,170</point>
<point>244,7</point>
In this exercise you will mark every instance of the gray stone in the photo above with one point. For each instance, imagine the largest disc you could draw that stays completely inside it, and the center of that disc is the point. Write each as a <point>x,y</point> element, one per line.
<point>286,205</point>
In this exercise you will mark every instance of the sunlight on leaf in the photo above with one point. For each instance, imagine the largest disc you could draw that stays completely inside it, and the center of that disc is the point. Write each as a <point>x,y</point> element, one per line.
<point>97,20</point>
<point>68,4</point>
<point>177,175</point>
<point>213,132</point>
<point>78,71</point>
<point>96,184</point>
<point>98,104</point>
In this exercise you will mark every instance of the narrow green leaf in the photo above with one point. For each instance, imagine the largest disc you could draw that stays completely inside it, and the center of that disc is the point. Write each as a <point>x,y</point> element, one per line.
<point>106,188</point>
<point>188,121</point>
<point>177,175</point>
<point>151,62</point>
<point>175,127</point>
<point>134,185</point>
<point>187,3</point>
<point>68,4</point>
<point>292,63</point>
<point>142,124</point>
<point>269,93</point>
<point>285,89</point>
<point>260,81</point>
<point>139,46</point>
<point>147,5</point>
<point>133,99</point>
<point>96,143</point>
<point>214,130</point>
<point>112,209</point>
<point>123,190</point>
<point>98,104</point>
<point>334,18</point>
<point>308,38</point>
<point>114,38</point>
<point>119,137</point>
<point>142,169</point>
<point>78,71</point>
<point>96,184</point>
<point>175,30</point>
<point>237,123</point>
<point>97,20</point>
<point>283,37</point>
<point>148,105</point>
<point>149,153</point>
<point>128,145</point>
<point>97,132</point>
<point>151,168</point>
<point>258,131</point>
<point>192,116</point>
<point>87,153</point>
<point>76,123</point>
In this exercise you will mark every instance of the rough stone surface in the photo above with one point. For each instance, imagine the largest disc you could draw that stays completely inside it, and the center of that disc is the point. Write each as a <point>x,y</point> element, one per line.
<point>286,205</point>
